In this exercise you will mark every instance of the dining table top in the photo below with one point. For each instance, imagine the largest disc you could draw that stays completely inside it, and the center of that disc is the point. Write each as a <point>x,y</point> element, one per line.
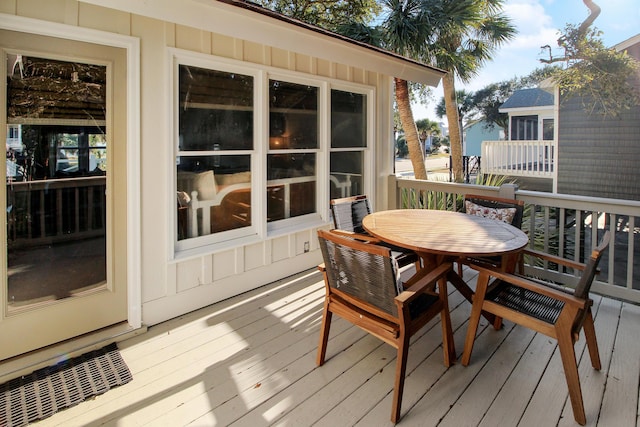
<point>445,232</point>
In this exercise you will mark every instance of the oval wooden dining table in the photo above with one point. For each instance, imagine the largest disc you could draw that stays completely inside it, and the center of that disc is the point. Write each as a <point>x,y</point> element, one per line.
<point>444,236</point>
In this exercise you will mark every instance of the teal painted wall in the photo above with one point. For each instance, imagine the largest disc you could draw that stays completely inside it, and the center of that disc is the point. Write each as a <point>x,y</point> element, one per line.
<point>475,134</point>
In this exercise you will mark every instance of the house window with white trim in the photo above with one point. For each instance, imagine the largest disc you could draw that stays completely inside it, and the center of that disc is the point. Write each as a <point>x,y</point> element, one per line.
<point>348,143</point>
<point>215,148</point>
<point>293,147</point>
<point>257,151</point>
<point>524,128</point>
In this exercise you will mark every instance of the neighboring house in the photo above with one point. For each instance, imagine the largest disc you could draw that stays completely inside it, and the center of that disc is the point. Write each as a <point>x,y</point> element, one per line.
<point>582,154</point>
<point>218,131</point>
<point>600,157</point>
<point>530,114</point>
<point>475,133</point>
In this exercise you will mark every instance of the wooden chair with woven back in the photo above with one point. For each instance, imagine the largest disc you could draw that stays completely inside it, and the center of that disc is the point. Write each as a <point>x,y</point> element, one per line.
<point>363,286</point>
<point>508,210</point>
<point>550,309</point>
<point>348,213</point>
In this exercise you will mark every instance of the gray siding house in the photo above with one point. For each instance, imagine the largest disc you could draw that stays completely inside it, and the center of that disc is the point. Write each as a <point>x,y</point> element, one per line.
<point>600,157</point>
<point>593,155</point>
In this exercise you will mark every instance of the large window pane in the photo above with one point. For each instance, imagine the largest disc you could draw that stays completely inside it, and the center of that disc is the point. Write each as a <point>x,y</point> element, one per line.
<point>291,185</point>
<point>214,194</point>
<point>216,110</point>
<point>346,173</point>
<point>293,116</point>
<point>56,179</point>
<point>348,119</point>
<point>213,178</point>
<point>293,138</point>
<point>348,142</point>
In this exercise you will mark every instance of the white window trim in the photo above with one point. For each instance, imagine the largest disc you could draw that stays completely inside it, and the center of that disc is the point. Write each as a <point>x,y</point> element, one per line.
<point>368,160</point>
<point>261,230</point>
<point>179,57</point>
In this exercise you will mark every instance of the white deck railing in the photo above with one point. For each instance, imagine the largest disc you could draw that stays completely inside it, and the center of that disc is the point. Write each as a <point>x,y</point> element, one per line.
<point>53,210</point>
<point>555,223</point>
<point>520,158</point>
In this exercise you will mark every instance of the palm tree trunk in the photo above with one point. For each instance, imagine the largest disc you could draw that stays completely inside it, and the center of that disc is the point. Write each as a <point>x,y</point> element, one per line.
<point>455,136</point>
<point>410,130</point>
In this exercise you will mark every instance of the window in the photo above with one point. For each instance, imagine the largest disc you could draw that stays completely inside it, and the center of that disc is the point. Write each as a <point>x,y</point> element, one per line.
<point>293,142</point>
<point>255,150</point>
<point>215,144</point>
<point>348,142</point>
<point>524,128</point>
<point>547,129</point>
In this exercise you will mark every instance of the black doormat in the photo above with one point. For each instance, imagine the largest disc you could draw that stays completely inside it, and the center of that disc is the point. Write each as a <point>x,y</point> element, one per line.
<point>48,390</point>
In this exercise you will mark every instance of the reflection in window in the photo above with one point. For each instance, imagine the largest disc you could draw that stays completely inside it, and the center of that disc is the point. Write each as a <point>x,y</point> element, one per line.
<point>56,157</point>
<point>293,116</point>
<point>293,139</point>
<point>348,141</point>
<point>213,162</point>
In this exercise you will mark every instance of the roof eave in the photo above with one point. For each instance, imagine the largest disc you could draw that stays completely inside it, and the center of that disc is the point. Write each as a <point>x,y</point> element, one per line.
<point>272,29</point>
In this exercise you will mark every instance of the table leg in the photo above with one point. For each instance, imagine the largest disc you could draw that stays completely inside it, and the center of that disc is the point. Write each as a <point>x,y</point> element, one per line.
<point>466,292</point>
<point>431,261</point>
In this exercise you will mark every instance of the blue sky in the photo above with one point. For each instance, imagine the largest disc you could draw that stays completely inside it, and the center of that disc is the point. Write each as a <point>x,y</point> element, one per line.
<point>538,23</point>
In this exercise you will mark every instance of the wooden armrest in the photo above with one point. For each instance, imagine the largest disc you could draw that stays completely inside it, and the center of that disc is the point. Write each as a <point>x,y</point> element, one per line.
<point>555,259</point>
<point>423,284</point>
<point>525,283</point>
<point>322,267</point>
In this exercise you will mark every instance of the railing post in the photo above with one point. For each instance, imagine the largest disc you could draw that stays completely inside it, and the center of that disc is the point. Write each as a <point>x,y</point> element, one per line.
<point>508,191</point>
<point>392,188</point>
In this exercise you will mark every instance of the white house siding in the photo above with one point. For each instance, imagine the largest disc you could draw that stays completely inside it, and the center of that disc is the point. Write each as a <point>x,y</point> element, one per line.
<point>173,285</point>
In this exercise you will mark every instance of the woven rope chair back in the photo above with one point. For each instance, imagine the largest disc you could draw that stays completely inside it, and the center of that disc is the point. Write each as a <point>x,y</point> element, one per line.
<point>584,285</point>
<point>368,276</point>
<point>349,212</point>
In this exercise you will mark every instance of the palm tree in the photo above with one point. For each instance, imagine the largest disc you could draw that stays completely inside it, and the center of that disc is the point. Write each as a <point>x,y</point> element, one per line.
<point>457,36</point>
<point>427,128</point>
<point>402,31</point>
<point>465,35</point>
<point>464,103</point>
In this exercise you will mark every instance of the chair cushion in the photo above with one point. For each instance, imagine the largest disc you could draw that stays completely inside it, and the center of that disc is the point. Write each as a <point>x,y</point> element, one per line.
<point>500,214</point>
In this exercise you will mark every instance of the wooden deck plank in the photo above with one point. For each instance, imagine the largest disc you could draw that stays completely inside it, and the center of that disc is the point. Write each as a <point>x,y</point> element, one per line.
<point>621,394</point>
<point>250,361</point>
<point>484,388</point>
<point>593,383</point>
<point>182,368</point>
<point>377,391</point>
<point>513,398</point>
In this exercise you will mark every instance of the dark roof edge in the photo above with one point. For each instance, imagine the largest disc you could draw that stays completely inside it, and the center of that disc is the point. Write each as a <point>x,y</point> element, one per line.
<point>254,7</point>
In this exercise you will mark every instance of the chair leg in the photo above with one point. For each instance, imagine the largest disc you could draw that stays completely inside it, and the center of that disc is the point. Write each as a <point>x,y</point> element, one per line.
<point>592,342</point>
<point>568,355</point>
<point>474,317</point>
<point>324,333</point>
<point>497,323</point>
<point>401,367</point>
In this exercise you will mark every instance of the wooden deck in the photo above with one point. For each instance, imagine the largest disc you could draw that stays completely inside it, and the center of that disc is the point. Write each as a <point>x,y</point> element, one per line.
<point>250,361</point>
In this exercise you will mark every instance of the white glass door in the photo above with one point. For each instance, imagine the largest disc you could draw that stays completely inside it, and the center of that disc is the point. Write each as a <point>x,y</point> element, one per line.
<point>64,252</point>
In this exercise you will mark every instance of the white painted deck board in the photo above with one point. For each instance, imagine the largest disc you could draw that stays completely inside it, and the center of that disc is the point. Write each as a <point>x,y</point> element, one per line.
<point>250,361</point>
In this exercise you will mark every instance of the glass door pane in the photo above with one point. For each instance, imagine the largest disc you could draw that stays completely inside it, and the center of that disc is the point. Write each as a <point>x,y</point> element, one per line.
<point>56,180</point>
